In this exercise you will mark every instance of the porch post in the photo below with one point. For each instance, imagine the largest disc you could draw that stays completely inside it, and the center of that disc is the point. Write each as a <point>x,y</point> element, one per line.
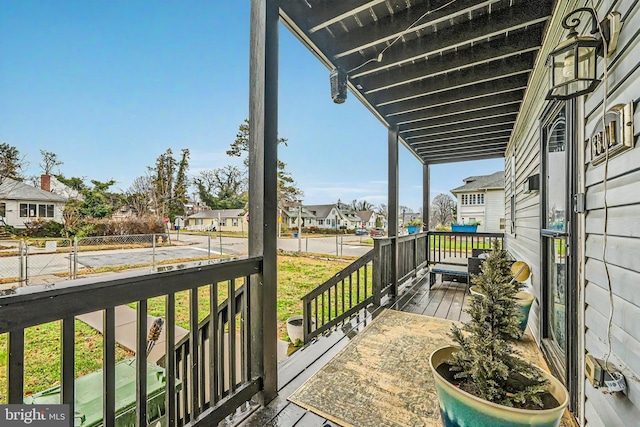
<point>426,196</point>
<point>263,159</point>
<point>393,205</point>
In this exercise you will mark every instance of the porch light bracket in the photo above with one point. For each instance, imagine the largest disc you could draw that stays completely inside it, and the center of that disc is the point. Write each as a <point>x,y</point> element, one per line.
<point>573,62</point>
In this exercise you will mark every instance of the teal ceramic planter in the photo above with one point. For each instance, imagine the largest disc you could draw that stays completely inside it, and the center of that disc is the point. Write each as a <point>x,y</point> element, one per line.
<point>524,301</point>
<point>461,409</point>
<point>464,228</point>
<point>413,229</point>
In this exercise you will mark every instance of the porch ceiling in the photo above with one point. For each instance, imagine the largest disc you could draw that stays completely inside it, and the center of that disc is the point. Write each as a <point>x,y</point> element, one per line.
<point>451,76</point>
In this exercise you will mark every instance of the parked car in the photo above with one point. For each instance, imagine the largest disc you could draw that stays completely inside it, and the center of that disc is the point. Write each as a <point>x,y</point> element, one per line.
<point>361,232</point>
<point>377,232</point>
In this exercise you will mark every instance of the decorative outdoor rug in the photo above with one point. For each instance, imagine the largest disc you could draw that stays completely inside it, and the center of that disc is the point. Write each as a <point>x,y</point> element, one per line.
<point>382,377</point>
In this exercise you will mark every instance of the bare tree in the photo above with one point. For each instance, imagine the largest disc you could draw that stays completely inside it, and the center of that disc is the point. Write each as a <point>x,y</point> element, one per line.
<point>361,205</point>
<point>49,161</point>
<point>441,210</point>
<point>140,195</point>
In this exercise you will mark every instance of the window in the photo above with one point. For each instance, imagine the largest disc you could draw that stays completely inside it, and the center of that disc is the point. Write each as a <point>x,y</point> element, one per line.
<point>321,222</point>
<point>3,209</point>
<point>502,223</point>
<point>27,210</point>
<point>223,223</point>
<point>45,211</point>
<point>481,199</point>
<point>473,199</point>
<point>235,222</point>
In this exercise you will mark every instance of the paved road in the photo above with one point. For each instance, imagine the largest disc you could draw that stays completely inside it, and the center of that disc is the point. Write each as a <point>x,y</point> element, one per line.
<point>43,266</point>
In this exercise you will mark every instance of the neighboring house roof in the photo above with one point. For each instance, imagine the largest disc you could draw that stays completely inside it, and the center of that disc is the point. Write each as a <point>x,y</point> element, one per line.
<point>222,213</point>
<point>64,190</point>
<point>321,211</point>
<point>482,182</point>
<point>15,190</point>
<point>365,216</point>
<point>304,213</point>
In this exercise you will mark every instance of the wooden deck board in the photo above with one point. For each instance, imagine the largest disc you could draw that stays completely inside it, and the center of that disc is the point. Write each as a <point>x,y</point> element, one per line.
<point>445,300</point>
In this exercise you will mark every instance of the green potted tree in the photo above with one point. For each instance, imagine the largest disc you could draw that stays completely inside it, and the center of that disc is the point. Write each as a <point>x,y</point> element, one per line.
<point>483,381</point>
<point>520,272</point>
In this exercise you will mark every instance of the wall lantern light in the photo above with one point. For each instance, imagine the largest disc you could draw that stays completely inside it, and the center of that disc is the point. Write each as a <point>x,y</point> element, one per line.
<point>573,62</point>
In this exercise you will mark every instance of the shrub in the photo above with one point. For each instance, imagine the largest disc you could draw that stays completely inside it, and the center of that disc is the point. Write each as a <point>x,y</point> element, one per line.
<point>43,228</point>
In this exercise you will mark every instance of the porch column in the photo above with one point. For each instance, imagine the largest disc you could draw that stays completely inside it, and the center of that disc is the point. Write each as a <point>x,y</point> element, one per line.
<point>263,159</point>
<point>393,205</point>
<point>426,196</point>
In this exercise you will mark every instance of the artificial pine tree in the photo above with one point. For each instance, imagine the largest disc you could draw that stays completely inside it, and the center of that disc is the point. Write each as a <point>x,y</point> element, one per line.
<point>487,364</point>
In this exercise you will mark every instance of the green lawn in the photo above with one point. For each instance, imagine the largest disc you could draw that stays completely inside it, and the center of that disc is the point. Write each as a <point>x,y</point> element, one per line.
<point>297,275</point>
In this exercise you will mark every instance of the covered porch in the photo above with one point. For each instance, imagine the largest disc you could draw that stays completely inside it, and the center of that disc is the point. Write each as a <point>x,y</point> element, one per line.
<point>451,81</point>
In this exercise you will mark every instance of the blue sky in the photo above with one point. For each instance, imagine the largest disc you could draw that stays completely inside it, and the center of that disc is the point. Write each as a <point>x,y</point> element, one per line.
<point>110,85</point>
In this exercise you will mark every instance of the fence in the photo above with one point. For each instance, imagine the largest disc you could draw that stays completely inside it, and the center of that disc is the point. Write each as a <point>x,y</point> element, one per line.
<point>33,261</point>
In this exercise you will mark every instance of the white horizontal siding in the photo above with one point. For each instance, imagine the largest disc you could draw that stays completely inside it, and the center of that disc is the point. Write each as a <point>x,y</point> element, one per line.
<point>622,252</point>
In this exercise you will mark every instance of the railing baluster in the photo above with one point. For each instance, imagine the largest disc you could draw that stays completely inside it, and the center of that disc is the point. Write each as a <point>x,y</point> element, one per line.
<point>335,301</point>
<point>193,352</point>
<point>170,360</point>
<point>68,373</point>
<point>109,368</point>
<point>342,298</point>
<point>328,305</point>
<point>16,366</point>
<point>246,332</point>
<point>202,371</point>
<point>141,363</point>
<point>222,377</point>
<point>351,287</point>
<point>316,311</point>
<point>213,347</point>
<point>186,383</point>
<point>232,336</point>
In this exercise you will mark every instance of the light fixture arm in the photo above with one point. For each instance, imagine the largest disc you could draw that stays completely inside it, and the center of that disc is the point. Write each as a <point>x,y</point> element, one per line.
<point>576,21</point>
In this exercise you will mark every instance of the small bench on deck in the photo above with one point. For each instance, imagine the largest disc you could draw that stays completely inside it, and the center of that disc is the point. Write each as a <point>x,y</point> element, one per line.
<point>455,270</point>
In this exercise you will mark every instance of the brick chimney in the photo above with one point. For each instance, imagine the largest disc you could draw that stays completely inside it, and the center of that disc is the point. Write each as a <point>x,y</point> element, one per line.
<point>45,183</point>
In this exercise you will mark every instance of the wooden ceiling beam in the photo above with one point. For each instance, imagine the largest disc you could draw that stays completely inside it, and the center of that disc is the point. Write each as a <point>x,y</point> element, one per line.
<point>474,133</point>
<point>468,77</point>
<point>477,55</point>
<point>470,117</point>
<point>470,155</point>
<point>389,28</point>
<point>481,29</point>
<point>458,145</point>
<point>464,107</point>
<point>461,128</point>
<point>477,91</point>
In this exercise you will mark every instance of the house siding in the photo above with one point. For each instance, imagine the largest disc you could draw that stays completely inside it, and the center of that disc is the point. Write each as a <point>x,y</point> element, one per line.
<point>494,211</point>
<point>618,281</point>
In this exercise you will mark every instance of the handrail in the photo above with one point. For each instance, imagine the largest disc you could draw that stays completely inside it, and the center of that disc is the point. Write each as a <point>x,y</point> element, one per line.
<point>446,247</point>
<point>208,392</point>
<point>318,304</point>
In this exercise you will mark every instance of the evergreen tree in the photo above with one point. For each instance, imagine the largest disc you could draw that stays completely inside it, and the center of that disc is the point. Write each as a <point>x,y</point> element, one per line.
<point>487,361</point>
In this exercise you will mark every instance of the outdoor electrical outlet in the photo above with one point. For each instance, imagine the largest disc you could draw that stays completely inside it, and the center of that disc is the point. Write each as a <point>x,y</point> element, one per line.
<point>599,376</point>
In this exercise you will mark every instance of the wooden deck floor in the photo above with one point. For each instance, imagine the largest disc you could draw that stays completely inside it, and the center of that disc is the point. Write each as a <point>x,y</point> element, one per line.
<point>445,300</point>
